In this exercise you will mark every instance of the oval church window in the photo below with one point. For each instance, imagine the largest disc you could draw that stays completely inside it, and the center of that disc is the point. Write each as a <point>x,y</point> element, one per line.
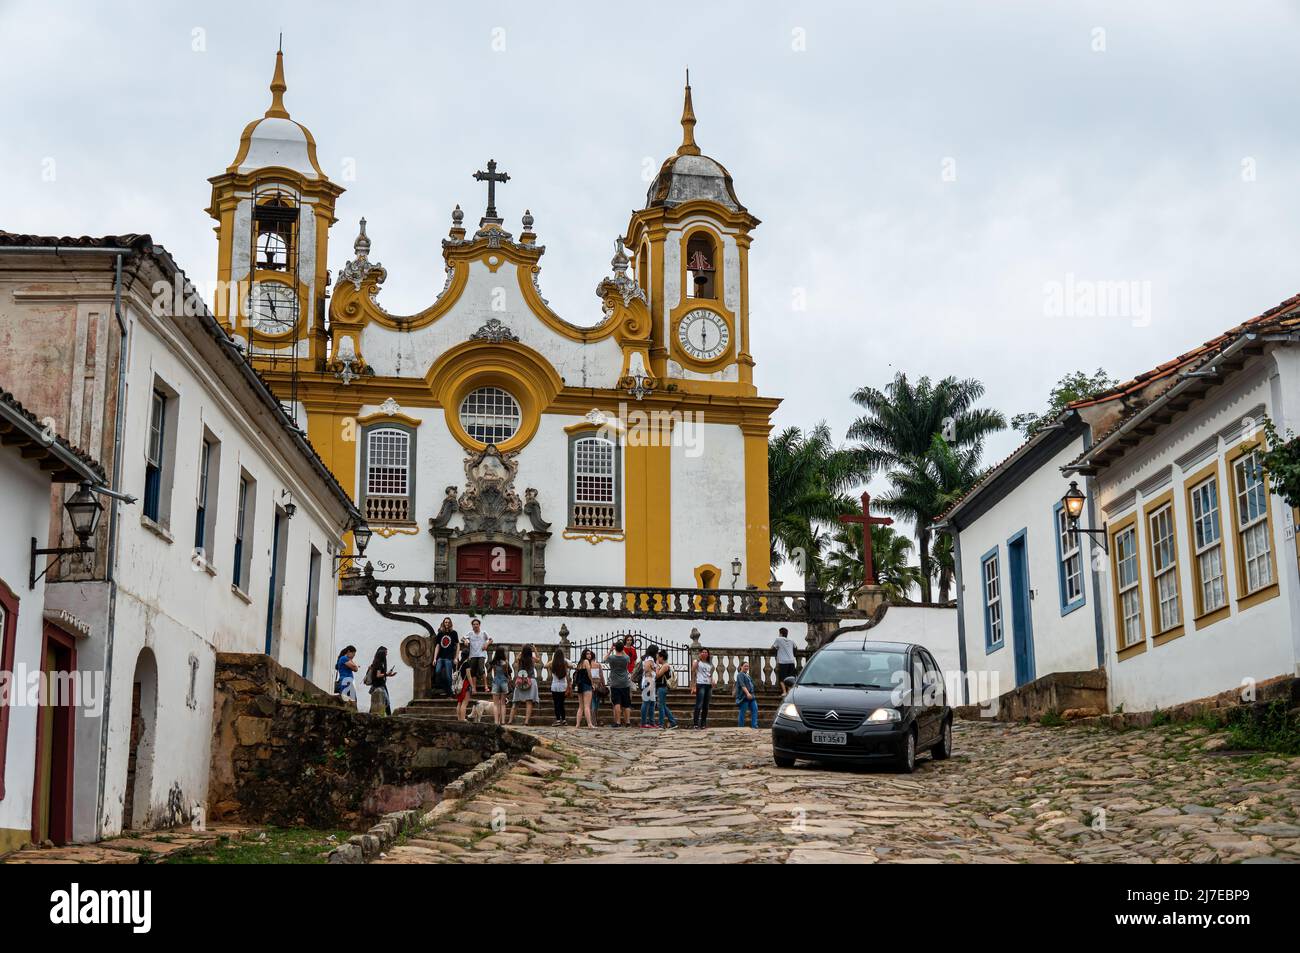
<point>490,415</point>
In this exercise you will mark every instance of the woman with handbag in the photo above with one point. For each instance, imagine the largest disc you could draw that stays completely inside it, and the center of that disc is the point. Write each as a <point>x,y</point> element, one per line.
<point>559,685</point>
<point>525,684</point>
<point>585,688</point>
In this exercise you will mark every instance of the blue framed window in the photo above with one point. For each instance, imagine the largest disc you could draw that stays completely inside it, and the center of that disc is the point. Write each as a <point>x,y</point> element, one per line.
<point>1069,562</point>
<point>991,584</point>
<point>153,468</point>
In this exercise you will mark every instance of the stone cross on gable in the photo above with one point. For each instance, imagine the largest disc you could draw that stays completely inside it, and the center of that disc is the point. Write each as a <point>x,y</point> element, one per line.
<point>491,177</point>
<point>867,521</point>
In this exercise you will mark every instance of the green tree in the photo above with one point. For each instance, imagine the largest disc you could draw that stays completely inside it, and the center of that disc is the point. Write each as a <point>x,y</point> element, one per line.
<point>1071,387</point>
<point>928,438</point>
<point>808,480</point>
<point>1282,463</point>
<point>890,552</point>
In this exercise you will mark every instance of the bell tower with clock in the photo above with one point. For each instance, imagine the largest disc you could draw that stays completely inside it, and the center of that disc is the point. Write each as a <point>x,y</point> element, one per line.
<point>691,250</point>
<point>274,207</point>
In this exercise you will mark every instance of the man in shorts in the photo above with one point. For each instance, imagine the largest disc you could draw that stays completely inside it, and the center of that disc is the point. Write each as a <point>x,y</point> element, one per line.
<point>620,683</point>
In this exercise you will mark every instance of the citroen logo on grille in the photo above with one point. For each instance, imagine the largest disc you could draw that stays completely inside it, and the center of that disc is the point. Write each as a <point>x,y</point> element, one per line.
<point>832,715</point>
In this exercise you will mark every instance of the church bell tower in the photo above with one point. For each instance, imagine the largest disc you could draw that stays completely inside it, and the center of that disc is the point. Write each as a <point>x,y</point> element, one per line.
<point>690,246</point>
<point>274,207</point>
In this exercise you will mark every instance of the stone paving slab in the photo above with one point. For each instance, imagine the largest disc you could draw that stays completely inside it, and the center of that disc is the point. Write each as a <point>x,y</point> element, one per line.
<point>1010,794</point>
<point>134,847</point>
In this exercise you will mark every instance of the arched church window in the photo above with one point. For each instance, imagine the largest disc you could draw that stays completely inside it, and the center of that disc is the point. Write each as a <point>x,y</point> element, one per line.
<point>701,267</point>
<point>593,483</point>
<point>490,415</point>
<point>389,474</point>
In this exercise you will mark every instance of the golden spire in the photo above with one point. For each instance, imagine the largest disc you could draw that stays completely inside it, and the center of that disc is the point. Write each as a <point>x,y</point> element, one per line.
<point>688,146</point>
<point>277,110</point>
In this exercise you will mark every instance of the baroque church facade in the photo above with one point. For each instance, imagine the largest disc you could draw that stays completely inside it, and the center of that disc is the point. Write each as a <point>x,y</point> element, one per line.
<point>486,438</point>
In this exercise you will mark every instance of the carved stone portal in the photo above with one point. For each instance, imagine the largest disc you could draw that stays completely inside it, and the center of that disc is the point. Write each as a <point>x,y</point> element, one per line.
<point>490,509</point>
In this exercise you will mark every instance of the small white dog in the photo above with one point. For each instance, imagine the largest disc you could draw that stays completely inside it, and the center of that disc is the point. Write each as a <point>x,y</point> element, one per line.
<point>478,711</point>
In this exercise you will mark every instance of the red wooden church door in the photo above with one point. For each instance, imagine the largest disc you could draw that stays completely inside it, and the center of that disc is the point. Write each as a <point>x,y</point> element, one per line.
<point>487,564</point>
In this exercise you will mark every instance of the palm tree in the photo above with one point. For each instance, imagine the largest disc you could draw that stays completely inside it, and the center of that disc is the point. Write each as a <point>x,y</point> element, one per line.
<point>808,480</point>
<point>907,431</point>
<point>842,571</point>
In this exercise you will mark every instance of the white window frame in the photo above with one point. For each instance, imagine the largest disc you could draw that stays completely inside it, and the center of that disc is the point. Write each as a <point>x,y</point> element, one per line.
<point>1162,536</point>
<point>490,407</point>
<point>1129,595</point>
<point>1206,515</point>
<point>1254,527</point>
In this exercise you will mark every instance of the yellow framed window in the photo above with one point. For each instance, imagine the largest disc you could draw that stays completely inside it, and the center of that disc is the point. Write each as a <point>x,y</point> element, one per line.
<point>1166,606</point>
<point>1254,534</point>
<point>1128,586</point>
<point>1207,546</point>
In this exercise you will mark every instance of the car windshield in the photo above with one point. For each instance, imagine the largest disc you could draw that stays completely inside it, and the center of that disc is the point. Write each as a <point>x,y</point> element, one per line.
<point>870,668</point>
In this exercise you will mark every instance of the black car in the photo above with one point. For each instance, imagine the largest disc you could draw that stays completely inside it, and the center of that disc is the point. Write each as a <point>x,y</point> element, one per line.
<point>862,702</point>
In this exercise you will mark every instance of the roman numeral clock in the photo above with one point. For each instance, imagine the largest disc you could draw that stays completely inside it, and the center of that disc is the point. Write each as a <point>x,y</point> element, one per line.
<point>703,334</point>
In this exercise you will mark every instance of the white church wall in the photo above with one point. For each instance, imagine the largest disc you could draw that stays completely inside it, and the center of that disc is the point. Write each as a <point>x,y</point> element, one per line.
<point>485,296</point>
<point>1063,635</point>
<point>25,514</point>
<point>708,503</point>
<point>933,627</point>
<point>1251,643</point>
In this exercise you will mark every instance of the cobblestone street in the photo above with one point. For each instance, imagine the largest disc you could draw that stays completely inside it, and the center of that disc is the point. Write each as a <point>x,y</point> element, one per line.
<point>1009,794</point>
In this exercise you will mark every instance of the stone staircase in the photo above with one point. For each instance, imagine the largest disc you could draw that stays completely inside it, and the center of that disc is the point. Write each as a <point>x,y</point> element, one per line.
<point>722,710</point>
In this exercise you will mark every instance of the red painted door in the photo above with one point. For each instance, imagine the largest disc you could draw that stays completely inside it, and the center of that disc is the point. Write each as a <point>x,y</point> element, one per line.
<point>488,564</point>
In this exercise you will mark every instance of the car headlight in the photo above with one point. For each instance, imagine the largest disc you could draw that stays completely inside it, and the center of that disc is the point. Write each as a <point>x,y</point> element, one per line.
<point>885,714</point>
<point>790,711</point>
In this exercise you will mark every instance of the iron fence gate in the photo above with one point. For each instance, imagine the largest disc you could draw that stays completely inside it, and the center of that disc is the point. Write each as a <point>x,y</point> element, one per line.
<point>679,654</point>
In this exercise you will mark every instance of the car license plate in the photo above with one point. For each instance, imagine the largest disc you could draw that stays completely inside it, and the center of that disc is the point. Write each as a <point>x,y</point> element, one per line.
<point>830,738</point>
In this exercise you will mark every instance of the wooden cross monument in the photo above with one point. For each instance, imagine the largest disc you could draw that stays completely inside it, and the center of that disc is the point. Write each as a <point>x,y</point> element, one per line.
<point>867,521</point>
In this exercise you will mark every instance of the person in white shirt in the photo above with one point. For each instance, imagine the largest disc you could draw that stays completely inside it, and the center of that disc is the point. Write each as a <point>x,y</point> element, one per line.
<point>783,646</point>
<point>704,680</point>
<point>478,642</point>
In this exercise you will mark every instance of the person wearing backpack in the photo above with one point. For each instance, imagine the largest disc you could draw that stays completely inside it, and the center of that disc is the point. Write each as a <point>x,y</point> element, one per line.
<point>665,678</point>
<point>377,676</point>
<point>525,684</point>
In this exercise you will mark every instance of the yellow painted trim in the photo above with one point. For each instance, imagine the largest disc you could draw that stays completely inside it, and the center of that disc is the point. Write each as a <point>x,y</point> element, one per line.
<point>1245,599</point>
<point>1169,634</point>
<point>1202,617</point>
<point>702,572</point>
<point>1137,648</point>
<point>594,538</point>
<point>522,372</point>
<point>351,308</point>
<point>12,839</point>
<point>758,532</point>
<point>396,529</point>
<point>1148,510</point>
<point>1118,609</point>
<point>716,305</point>
<point>647,507</point>
<point>1271,591</point>
<point>1218,615</point>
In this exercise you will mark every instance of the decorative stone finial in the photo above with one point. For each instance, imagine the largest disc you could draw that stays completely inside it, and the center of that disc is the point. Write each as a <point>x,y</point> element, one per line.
<point>619,262</point>
<point>688,146</point>
<point>528,219</point>
<point>362,245</point>
<point>457,216</point>
<point>278,87</point>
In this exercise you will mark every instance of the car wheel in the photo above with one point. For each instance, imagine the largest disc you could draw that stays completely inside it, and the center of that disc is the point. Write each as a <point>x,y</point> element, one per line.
<point>782,761</point>
<point>907,753</point>
<point>943,747</point>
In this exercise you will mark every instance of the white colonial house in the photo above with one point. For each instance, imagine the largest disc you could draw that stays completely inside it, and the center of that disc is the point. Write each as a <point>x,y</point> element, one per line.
<point>1027,603</point>
<point>38,646</point>
<point>228,544</point>
<point>1192,571</point>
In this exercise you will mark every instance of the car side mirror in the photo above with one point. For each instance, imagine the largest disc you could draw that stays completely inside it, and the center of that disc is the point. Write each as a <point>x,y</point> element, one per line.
<point>788,682</point>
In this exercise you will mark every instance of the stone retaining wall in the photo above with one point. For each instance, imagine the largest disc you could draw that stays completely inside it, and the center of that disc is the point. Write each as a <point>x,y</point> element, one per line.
<point>285,753</point>
<point>1058,692</point>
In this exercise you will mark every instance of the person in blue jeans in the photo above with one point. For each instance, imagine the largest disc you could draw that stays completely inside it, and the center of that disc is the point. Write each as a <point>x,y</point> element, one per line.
<point>662,668</point>
<point>745,700</point>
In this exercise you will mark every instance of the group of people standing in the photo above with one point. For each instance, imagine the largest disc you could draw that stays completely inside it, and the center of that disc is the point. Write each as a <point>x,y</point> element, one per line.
<point>463,666</point>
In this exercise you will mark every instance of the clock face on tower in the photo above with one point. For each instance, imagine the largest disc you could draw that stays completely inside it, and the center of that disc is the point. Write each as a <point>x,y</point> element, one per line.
<point>272,307</point>
<point>703,334</point>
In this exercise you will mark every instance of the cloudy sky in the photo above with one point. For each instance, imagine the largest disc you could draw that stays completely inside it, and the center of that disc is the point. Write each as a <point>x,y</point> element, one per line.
<point>927,173</point>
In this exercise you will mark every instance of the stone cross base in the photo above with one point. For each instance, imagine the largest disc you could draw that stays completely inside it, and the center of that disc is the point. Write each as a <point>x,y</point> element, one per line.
<point>869,598</point>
